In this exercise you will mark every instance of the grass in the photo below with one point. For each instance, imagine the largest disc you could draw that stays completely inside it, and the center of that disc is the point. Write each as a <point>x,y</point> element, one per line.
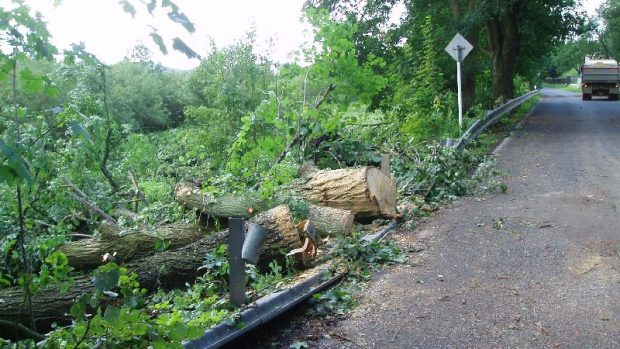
<point>569,88</point>
<point>502,129</point>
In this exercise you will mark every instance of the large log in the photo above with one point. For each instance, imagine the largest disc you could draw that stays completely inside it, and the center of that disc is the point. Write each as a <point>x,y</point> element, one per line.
<point>330,221</point>
<point>128,245</point>
<point>240,206</point>
<point>366,191</point>
<point>166,270</point>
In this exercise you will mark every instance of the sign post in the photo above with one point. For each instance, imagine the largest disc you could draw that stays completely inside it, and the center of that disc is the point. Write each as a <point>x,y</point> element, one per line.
<point>459,48</point>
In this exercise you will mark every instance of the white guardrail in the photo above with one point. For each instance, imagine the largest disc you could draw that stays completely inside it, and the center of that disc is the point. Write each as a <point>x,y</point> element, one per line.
<point>492,116</point>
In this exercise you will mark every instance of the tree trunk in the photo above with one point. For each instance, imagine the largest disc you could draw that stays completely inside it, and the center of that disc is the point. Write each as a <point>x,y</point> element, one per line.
<point>244,206</point>
<point>49,305</point>
<point>504,43</point>
<point>87,254</point>
<point>366,192</point>
<point>329,221</point>
<point>167,270</point>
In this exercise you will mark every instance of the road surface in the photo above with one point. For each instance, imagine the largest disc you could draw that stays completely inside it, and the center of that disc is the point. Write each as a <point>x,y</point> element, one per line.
<point>538,267</point>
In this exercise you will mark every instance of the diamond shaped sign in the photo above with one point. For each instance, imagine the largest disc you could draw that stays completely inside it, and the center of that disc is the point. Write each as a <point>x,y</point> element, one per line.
<point>459,48</point>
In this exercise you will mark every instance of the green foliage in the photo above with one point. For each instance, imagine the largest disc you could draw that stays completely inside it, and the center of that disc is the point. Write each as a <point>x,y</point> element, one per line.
<point>118,316</point>
<point>427,111</point>
<point>13,167</point>
<point>338,300</point>
<point>568,57</point>
<point>145,96</point>
<point>359,257</point>
<point>610,14</point>
<point>369,253</point>
<point>441,173</point>
<point>261,283</point>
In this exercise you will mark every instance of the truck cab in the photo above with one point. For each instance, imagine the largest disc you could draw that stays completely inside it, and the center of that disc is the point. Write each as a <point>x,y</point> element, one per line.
<point>600,77</point>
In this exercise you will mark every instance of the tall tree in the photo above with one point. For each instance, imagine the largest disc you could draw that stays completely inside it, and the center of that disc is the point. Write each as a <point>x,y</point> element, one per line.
<point>521,32</point>
<point>610,36</point>
<point>516,34</point>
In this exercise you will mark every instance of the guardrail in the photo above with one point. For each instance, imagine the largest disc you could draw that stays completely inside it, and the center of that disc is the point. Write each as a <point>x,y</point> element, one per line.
<point>492,116</point>
<point>271,306</point>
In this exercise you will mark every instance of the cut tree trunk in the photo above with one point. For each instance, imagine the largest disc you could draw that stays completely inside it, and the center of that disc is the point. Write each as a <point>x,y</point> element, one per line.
<point>282,233</point>
<point>241,206</point>
<point>167,270</point>
<point>87,254</point>
<point>504,37</point>
<point>366,191</point>
<point>329,221</point>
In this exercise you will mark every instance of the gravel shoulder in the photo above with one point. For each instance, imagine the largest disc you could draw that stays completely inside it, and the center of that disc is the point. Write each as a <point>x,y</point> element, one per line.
<point>537,267</point>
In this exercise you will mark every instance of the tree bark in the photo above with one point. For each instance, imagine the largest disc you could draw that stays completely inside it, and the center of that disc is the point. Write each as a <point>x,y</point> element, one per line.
<point>244,206</point>
<point>505,44</point>
<point>329,221</point>
<point>87,254</point>
<point>366,192</point>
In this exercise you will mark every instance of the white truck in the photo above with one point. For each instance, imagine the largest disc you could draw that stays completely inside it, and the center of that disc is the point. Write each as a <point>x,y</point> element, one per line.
<point>600,77</point>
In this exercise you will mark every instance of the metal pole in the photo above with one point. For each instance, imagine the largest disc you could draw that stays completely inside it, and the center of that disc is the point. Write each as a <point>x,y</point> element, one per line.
<point>236,235</point>
<point>460,93</point>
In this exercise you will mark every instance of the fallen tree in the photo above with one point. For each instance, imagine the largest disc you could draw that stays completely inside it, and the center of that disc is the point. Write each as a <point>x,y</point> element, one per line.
<point>166,270</point>
<point>128,245</point>
<point>169,269</point>
<point>366,191</point>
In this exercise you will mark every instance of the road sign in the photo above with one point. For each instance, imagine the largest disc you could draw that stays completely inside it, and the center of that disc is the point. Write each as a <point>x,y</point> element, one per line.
<point>459,48</point>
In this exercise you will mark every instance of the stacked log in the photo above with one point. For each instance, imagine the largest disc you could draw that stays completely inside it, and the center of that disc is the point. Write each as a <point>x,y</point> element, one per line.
<point>365,192</point>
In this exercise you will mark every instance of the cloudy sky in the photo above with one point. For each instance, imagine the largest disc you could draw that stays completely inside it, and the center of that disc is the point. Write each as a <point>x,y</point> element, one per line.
<point>110,33</point>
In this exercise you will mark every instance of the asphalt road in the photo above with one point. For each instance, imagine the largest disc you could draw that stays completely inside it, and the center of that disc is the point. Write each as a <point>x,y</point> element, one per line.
<point>538,267</point>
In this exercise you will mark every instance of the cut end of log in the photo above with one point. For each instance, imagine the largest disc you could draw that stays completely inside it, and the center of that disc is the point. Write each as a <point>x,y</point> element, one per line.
<point>383,190</point>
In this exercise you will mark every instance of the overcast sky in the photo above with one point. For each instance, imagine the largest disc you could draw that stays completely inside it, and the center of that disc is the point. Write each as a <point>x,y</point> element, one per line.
<point>110,33</point>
